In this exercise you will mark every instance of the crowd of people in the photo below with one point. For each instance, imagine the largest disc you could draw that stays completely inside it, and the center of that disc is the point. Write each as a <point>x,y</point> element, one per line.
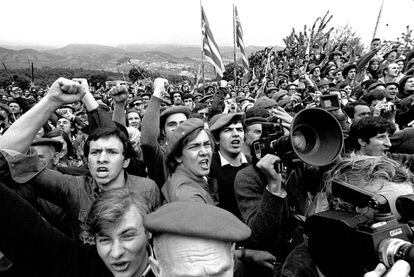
<point>167,179</point>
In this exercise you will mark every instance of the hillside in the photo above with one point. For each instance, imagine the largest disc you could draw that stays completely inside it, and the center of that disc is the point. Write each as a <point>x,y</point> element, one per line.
<point>175,59</point>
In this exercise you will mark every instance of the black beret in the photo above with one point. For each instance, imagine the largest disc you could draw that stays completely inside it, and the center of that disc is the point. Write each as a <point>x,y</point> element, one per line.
<point>182,131</point>
<point>221,120</point>
<point>197,220</point>
<point>347,69</point>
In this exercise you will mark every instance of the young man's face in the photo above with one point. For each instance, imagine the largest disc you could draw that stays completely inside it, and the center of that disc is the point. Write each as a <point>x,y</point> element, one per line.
<point>64,125</point>
<point>376,146</point>
<point>188,102</point>
<point>196,155</point>
<point>172,122</point>
<point>391,91</point>
<point>231,139</point>
<point>393,70</point>
<point>106,162</point>
<point>123,248</point>
<point>134,120</point>
<point>351,74</point>
<point>177,99</point>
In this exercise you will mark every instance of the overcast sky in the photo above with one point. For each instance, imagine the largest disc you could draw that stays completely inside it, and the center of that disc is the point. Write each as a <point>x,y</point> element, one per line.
<point>265,22</point>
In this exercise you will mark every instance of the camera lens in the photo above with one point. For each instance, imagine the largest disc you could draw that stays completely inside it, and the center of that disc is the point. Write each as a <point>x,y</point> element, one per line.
<point>392,249</point>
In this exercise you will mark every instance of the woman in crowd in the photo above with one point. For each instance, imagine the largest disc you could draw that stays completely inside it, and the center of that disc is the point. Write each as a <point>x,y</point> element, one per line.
<point>114,222</point>
<point>189,158</point>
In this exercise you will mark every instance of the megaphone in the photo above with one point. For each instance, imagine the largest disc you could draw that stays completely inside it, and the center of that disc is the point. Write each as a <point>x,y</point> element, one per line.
<point>316,136</point>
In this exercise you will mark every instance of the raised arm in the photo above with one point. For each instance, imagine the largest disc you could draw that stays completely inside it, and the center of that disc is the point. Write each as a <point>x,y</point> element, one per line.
<point>21,133</point>
<point>120,96</point>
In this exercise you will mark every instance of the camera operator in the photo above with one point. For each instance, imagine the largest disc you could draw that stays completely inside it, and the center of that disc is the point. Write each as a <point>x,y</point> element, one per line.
<point>379,175</point>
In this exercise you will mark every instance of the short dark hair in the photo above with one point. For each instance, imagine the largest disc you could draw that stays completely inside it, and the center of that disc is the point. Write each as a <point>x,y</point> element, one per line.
<point>235,120</point>
<point>172,162</point>
<point>367,128</point>
<point>373,95</point>
<point>107,132</point>
<point>349,108</point>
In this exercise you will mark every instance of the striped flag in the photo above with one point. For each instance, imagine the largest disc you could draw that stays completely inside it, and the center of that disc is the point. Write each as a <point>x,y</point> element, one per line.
<point>210,48</point>
<point>239,40</point>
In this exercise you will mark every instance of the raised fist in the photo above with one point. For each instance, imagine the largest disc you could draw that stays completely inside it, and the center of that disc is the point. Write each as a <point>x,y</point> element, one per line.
<point>119,94</point>
<point>65,91</point>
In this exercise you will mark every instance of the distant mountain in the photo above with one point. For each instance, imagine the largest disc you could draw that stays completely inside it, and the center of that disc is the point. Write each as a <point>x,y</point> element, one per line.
<point>176,59</point>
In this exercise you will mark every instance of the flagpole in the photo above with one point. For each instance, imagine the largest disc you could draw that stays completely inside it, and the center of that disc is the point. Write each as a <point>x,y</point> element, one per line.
<point>202,50</point>
<point>378,20</point>
<point>234,47</point>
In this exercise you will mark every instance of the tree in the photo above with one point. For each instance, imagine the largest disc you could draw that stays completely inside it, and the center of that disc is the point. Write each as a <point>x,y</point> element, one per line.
<point>228,74</point>
<point>329,38</point>
<point>98,80</point>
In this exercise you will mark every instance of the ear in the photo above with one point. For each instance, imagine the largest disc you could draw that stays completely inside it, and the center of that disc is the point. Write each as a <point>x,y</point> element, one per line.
<point>155,266</point>
<point>55,158</point>
<point>126,163</point>
<point>361,142</point>
<point>179,159</point>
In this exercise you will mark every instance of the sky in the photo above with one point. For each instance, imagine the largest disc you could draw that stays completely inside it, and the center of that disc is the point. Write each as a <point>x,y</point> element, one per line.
<point>57,23</point>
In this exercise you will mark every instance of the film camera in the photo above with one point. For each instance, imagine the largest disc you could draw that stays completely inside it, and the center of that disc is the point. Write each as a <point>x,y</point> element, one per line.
<point>315,138</point>
<point>350,244</point>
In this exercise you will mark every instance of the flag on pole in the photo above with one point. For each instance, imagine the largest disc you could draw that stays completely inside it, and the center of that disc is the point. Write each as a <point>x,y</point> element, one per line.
<point>210,48</point>
<point>239,40</point>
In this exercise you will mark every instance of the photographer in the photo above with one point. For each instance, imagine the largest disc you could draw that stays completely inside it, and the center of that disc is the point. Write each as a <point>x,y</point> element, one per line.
<point>379,175</point>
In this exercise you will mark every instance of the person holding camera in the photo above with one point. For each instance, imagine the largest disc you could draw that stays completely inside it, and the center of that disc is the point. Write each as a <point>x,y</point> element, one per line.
<point>376,175</point>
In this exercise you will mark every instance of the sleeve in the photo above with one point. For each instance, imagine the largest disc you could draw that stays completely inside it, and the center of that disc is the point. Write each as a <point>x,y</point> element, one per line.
<point>100,118</point>
<point>262,211</point>
<point>154,156</point>
<point>31,242</point>
<point>60,189</point>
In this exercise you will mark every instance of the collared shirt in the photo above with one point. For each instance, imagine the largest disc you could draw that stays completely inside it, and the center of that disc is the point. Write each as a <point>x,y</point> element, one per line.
<point>224,161</point>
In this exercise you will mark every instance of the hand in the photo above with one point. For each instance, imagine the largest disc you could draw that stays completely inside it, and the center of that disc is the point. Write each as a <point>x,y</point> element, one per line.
<point>119,94</point>
<point>159,87</point>
<point>266,165</point>
<point>83,82</point>
<point>378,107</point>
<point>64,91</point>
<point>400,269</point>
<point>280,113</point>
<point>262,258</point>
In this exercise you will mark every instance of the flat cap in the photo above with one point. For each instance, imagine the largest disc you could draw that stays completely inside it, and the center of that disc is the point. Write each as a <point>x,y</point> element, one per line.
<point>220,120</point>
<point>264,102</point>
<point>172,110</point>
<point>49,142</point>
<point>182,131</point>
<point>198,220</point>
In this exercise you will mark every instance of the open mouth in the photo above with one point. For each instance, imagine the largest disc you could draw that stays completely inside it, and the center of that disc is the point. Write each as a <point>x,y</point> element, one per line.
<point>102,172</point>
<point>205,164</point>
<point>121,266</point>
<point>235,142</point>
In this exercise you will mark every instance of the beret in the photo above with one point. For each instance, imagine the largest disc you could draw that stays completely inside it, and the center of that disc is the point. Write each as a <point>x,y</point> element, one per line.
<point>198,220</point>
<point>375,85</point>
<point>284,75</point>
<point>264,102</point>
<point>182,132</point>
<point>271,89</point>
<point>172,110</point>
<point>256,120</point>
<point>311,71</point>
<point>220,120</point>
<point>49,142</point>
<point>323,82</point>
